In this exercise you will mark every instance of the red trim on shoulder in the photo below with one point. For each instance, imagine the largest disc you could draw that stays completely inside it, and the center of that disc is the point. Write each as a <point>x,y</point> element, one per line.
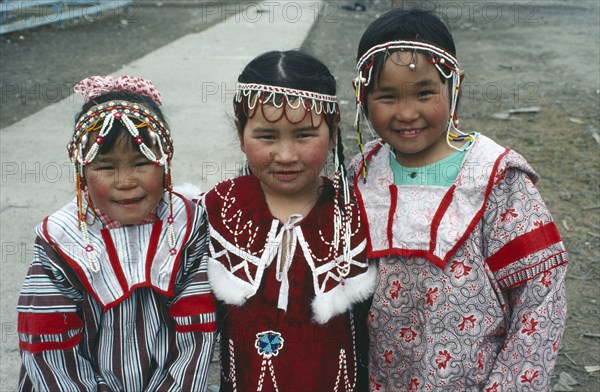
<point>371,153</point>
<point>48,323</point>
<point>392,212</point>
<point>524,245</point>
<point>35,348</point>
<point>204,327</point>
<point>76,268</point>
<point>190,306</point>
<point>45,231</point>
<point>152,247</point>
<point>481,211</point>
<point>363,213</point>
<point>186,238</point>
<point>113,257</point>
<point>439,214</point>
<point>359,199</point>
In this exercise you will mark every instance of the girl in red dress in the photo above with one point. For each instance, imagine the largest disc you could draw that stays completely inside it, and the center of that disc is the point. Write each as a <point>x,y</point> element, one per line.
<point>287,249</point>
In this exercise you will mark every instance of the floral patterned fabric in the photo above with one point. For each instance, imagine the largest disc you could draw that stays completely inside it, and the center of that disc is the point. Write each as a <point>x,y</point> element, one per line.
<point>470,294</point>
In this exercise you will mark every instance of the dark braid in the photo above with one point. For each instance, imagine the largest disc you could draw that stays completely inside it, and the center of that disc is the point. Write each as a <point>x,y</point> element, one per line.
<point>340,152</point>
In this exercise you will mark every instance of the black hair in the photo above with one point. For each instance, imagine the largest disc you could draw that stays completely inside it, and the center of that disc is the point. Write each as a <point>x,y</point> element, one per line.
<point>118,130</point>
<point>404,24</point>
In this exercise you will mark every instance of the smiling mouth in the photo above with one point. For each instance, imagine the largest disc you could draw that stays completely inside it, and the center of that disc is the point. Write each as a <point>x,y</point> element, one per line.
<point>408,131</point>
<point>126,202</point>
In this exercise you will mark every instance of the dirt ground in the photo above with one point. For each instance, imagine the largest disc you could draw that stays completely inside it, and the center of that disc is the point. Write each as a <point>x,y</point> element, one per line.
<point>536,55</point>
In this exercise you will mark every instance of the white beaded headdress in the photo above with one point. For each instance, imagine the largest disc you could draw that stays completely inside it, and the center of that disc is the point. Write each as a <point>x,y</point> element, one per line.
<point>446,64</point>
<point>99,120</point>
<point>281,97</point>
<point>251,97</point>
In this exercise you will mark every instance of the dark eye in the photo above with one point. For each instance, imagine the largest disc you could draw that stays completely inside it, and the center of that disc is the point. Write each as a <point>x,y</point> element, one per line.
<point>425,93</point>
<point>305,135</point>
<point>143,163</point>
<point>103,167</point>
<point>385,97</point>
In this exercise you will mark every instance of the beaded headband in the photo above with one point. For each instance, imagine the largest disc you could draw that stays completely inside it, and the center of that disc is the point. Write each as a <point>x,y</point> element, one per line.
<point>251,94</point>
<point>100,118</point>
<point>124,112</point>
<point>446,64</point>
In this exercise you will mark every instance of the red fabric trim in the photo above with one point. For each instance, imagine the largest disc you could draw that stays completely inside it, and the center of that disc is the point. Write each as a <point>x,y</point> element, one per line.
<point>35,348</point>
<point>154,237</point>
<point>126,295</point>
<point>205,327</point>
<point>390,223</point>
<point>48,323</point>
<point>439,214</point>
<point>132,289</point>
<point>45,230</point>
<point>190,306</point>
<point>524,245</point>
<point>371,153</point>
<point>114,261</point>
<point>363,213</point>
<point>428,254</point>
<point>186,237</point>
<point>76,268</point>
<point>479,214</point>
<point>359,198</point>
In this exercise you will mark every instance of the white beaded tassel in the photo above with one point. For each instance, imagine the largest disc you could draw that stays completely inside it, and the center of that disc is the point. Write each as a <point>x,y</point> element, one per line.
<point>341,222</point>
<point>172,249</point>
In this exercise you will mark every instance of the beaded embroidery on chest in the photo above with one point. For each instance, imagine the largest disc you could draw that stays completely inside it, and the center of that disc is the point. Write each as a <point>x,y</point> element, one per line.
<point>280,245</point>
<point>238,260</point>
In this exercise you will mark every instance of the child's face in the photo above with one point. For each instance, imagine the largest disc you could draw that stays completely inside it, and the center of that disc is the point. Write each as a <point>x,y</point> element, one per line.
<point>287,158</point>
<point>124,184</point>
<point>409,109</point>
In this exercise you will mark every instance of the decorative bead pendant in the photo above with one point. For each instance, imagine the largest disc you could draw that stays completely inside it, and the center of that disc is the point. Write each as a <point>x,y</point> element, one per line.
<point>268,343</point>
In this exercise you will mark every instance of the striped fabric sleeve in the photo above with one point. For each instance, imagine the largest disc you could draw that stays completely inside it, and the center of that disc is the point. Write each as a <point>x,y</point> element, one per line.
<point>527,257</point>
<point>50,328</point>
<point>194,312</point>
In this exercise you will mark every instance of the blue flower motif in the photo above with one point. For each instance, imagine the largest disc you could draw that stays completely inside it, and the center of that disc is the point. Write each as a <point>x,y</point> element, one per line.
<point>268,343</point>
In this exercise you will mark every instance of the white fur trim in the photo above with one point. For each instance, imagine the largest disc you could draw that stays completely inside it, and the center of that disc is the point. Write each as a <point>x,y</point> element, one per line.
<point>187,189</point>
<point>341,298</point>
<point>226,286</point>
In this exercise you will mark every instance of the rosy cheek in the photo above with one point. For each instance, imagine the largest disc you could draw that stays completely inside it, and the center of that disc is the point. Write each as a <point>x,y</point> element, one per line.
<point>318,156</point>
<point>98,186</point>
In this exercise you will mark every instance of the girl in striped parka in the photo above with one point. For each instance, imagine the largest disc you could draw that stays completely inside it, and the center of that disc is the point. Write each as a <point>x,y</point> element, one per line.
<point>117,297</point>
